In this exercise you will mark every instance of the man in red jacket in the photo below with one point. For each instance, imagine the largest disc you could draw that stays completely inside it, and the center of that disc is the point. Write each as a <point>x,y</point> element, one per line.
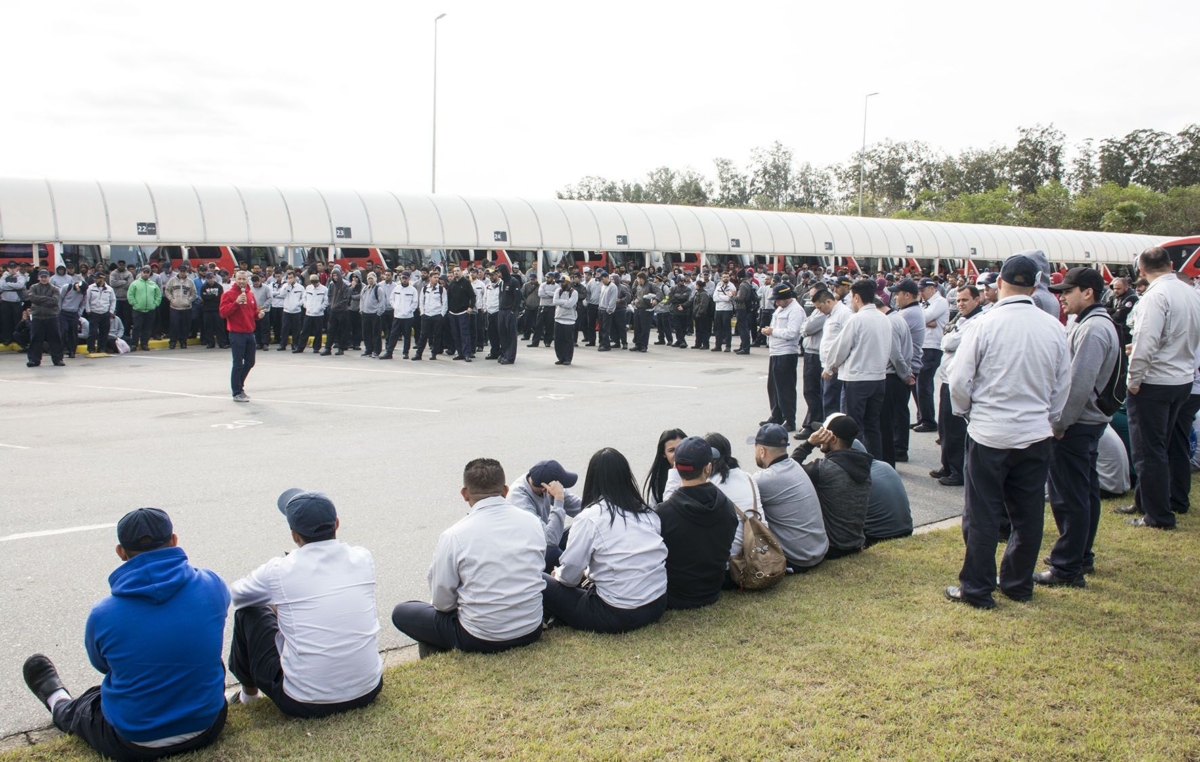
<point>241,313</point>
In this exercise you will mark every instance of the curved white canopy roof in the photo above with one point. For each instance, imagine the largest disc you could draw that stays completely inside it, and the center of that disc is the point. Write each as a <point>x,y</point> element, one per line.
<point>95,212</point>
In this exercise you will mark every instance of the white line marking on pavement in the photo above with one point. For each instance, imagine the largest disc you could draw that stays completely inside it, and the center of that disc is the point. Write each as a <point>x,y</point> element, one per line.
<point>222,397</point>
<point>15,447</point>
<point>472,376</point>
<point>49,532</point>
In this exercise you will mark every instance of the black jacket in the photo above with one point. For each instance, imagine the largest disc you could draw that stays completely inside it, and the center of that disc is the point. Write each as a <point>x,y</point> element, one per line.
<point>460,296</point>
<point>698,524</point>
<point>339,295</point>
<point>511,296</point>
<point>210,295</point>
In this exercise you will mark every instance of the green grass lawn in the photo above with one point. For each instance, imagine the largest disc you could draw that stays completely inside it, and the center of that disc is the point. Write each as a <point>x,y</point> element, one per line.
<point>862,659</point>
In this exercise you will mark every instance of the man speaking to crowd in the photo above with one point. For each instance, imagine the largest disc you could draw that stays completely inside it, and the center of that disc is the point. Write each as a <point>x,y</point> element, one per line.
<point>241,313</point>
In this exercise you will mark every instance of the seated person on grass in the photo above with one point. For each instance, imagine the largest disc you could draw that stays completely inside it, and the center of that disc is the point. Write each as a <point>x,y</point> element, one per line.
<point>843,483</point>
<point>698,524</point>
<point>789,501</point>
<point>617,539</point>
<point>889,515</point>
<point>542,491</point>
<point>305,624</point>
<point>157,639</point>
<point>486,579</point>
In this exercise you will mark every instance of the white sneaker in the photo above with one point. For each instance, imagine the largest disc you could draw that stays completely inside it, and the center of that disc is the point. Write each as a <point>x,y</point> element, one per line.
<point>241,397</point>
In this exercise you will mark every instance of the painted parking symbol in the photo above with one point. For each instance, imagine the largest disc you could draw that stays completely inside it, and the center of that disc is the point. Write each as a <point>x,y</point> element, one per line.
<point>555,396</point>
<point>236,425</point>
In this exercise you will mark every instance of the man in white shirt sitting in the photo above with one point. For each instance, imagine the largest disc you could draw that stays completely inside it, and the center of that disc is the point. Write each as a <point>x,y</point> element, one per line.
<point>485,582</point>
<point>305,624</point>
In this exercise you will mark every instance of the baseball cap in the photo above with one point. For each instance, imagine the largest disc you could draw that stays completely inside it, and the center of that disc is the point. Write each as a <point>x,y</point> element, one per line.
<point>986,280</point>
<point>843,427</point>
<point>43,273</point>
<point>692,455</point>
<point>907,285</point>
<point>1080,277</point>
<point>546,471</point>
<point>144,529</point>
<point>769,435</point>
<point>842,280</point>
<point>309,514</point>
<point>1020,270</point>
<point>783,291</point>
<point>928,283</point>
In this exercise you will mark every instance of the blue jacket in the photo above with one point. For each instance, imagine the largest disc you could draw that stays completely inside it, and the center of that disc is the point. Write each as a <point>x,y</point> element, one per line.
<point>158,640</point>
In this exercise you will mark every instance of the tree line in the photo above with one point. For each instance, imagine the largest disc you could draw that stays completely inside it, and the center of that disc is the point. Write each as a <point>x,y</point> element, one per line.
<point>1145,182</point>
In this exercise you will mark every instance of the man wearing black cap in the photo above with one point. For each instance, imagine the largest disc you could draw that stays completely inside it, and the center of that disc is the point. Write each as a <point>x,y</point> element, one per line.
<point>486,581</point>
<point>1010,378</point>
<point>157,640</point>
<point>44,301</point>
<point>783,337</point>
<point>842,480</point>
<point>789,501</point>
<point>1074,482</point>
<point>304,626</point>
<point>698,525</point>
<point>543,492</point>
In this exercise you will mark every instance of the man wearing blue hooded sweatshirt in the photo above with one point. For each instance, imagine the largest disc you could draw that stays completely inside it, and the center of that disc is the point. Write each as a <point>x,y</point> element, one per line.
<point>158,641</point>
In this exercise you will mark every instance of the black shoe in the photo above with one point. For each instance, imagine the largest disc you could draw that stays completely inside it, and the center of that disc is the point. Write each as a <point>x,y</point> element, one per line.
<point>764,423</point>
<point>387,356</point>
<point>590,344</point>
<point>340,352</point>
<point>459,357</point>
<point>325,352</point>
<point>631,349</point>
<point>365,354</point>
<point>804,433</point>
<point>788,427</point>
<point>728,349</point>
<point>901,457</point>
<point>938,473</point>
<point>416,357</point>
<point>1128,510</point>
<point>954,593</point>
<point>1141,522</point>
<point>1050,579</point>
<point>32,364</point>
<point>742,352</point>
<point>146,348</point>
<point>281,347</point>
<point>505,362</point>
<point>468,359</point>
<point>1086,569</point>
<point>41,677</point>
<point>559,362</point>
<point>951,481</point>
<point>531,345</point>
<point>924,428</point>
<point>59,363</point>
<point>604,349</point>
<point>491,357</point>
<point>659,342</point>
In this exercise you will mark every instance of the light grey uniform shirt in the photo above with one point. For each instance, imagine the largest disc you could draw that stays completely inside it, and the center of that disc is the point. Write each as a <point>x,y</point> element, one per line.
<point>551,512</point>
<point>488,567</point>
<point>626,557</point>
<point>863,347</point>
<point>793,511</point>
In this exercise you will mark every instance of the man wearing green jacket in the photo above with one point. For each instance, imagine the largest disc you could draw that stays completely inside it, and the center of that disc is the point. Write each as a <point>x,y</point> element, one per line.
<point>144,297</point>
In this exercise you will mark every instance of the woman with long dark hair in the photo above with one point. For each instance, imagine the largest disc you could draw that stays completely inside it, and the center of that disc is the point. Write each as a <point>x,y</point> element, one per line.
<point>663,479</point>
<point>618,539</point>
<point>728,476</point>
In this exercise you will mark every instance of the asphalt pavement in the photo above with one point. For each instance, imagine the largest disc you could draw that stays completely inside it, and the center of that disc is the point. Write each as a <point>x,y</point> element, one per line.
<point>387,440</point>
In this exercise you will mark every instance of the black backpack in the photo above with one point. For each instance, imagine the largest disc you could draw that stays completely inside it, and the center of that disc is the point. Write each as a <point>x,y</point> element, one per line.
<point>1110,399</point>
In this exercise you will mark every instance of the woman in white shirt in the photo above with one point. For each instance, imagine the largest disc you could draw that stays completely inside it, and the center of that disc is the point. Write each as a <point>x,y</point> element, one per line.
<point>617,541</point>
<point>663,479</point>
<point>728,477</point>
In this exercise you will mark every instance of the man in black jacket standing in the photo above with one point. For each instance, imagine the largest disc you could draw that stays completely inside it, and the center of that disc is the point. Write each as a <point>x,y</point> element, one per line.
<point>511,296</point>
<point>461,299</point>
<point>698,524</point>
<point>339,313</point>
<point>44,302</point>
<point>681,311</point>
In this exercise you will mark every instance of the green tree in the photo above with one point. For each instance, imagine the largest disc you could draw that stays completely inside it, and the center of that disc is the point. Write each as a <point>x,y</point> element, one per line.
<point>1085,172</point>
<point>733,186</point>
<point>1037,158</point>
<point>1143,157</point>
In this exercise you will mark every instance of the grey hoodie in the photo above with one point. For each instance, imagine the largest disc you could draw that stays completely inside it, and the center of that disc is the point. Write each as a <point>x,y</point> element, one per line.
<point>1093,344</point>
<point>1041,295</point>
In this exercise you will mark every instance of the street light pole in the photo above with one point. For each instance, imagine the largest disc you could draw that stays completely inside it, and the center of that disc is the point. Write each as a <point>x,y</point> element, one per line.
<point>862,155</point>
<point>433,181</point>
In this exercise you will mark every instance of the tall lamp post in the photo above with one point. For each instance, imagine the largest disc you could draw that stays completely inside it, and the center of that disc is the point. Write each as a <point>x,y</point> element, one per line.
<point>433,181</point>
<point>862,155</point>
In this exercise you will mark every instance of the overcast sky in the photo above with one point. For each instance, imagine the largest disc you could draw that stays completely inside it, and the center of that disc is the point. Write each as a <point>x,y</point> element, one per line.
<point>534,95</point>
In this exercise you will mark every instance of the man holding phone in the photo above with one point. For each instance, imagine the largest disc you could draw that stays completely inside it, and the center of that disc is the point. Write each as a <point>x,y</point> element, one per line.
<point>241,312</point>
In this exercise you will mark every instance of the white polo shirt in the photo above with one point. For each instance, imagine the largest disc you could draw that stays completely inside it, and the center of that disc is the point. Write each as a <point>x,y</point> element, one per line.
<point>324,597</point>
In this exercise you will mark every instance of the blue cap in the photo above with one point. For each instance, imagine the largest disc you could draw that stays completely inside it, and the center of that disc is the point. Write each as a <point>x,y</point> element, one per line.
<point>692,455</point>
<point>928,283</point>
<point>144,529</point>
<point>546,471</point>
<point>309,514</point>
<point>769,435</point>
<point>1021,271</point>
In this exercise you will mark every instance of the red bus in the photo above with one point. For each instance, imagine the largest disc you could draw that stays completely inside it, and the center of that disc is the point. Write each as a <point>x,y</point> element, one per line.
<point>1185,255</point>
